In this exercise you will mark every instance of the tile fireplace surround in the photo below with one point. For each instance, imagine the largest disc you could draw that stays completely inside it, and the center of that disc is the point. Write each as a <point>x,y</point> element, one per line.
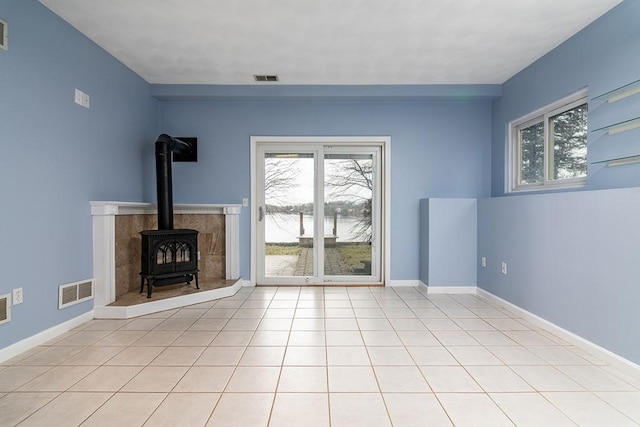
<point>116,250</point>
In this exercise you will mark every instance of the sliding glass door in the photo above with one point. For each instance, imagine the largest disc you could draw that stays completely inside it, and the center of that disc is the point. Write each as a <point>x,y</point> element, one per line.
<point>319,214</point>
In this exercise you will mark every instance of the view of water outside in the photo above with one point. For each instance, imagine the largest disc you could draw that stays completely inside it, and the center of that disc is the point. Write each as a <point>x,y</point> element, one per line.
<point>284,228</point>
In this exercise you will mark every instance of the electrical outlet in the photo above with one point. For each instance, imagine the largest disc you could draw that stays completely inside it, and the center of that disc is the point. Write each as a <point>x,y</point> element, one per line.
<point>17,296</point>
<point>198,255</point>
<point>78,97</point>
<point>82,98</point>
<point>245,202</point>
<point>504,268</point>
<point>483,261</point>
<point>86,100</point>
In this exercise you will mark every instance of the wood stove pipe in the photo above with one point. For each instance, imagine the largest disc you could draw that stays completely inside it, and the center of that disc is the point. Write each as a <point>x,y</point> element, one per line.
<point>165,145</point>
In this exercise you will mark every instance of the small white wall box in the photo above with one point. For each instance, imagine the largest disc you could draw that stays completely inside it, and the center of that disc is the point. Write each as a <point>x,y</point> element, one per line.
<point>4,35</point>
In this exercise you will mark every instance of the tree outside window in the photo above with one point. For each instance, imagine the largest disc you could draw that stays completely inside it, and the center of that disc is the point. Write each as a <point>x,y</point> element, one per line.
<point>551,147</point>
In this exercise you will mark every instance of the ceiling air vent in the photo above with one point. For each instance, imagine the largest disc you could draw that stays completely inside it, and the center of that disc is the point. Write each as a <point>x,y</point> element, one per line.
<point>5,308</point>
<point>4,35</point>
<point>266,78</point>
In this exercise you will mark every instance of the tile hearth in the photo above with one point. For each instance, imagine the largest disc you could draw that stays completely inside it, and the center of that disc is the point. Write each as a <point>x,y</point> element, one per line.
<point>136,297</point>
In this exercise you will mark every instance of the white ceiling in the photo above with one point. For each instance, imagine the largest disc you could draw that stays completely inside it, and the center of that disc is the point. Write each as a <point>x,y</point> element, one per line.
<point>329,41</point>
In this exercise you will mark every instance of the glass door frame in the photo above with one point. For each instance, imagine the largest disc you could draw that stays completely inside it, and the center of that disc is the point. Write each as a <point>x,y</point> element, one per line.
<point>376,212</point>
<point>305,145</point>
<point>275,148</point>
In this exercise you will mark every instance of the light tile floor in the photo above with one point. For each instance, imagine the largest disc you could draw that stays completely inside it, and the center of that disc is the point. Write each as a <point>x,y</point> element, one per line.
<point>293,356</point>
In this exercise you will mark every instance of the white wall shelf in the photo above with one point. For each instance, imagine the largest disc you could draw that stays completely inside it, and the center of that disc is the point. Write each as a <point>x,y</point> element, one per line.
<point>620,161</point>
<point>620,126</point>
<point>622,92</point>
<point>614,95</point>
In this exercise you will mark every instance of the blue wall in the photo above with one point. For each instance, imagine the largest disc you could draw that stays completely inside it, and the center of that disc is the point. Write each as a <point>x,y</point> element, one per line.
<point>424,241</point>
<point>602,57</point>
<point>573,256</point>
<point>438,149</point>
<point>448,243</point>
<point>57,156</point>
<point>572,259</point>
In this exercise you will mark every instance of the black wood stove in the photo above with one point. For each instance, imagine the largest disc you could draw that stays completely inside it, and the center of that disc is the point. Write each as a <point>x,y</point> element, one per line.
<point>168,256</point>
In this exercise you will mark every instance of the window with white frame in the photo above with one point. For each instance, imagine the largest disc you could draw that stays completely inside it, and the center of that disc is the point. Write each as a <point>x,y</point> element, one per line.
<point>549,146</point>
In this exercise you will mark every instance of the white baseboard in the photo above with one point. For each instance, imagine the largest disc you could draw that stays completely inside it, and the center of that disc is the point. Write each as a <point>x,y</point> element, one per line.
<point>608,356</point>
<point>42,337</point>
<point>435,289</point>
<point>400,283</point>
<point>247,283</point>
<point>451,289</point>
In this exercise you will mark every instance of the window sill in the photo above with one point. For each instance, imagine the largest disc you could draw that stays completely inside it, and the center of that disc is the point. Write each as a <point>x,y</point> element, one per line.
<point>550,186</point>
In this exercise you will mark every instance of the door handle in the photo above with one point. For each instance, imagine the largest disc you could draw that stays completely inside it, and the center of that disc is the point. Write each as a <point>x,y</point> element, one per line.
<point>260,213</point>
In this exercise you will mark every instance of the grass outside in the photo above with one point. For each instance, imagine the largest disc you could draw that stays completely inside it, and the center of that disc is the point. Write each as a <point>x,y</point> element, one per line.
<point>353,253</point>
<point>282,249</point>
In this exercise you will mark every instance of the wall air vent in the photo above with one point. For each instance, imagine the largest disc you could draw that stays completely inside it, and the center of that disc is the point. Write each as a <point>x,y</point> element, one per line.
<point>5,308</point>
<point>266,78</point>
<point>4,35</point>
<point>73,293</point>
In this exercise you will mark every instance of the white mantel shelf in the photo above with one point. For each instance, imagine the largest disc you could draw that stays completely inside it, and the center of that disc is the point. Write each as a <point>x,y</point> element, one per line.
<point>104,238</point>
<point>134,208</point>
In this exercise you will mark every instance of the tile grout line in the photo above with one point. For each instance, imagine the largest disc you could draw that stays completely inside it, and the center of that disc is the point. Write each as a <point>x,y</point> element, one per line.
<point>326,355</point>
<point>284,355</point>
